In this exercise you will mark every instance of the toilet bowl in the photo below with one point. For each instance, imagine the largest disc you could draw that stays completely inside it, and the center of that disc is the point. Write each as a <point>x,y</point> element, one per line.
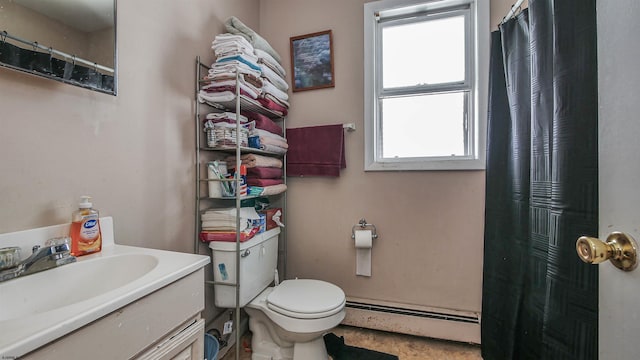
<point>289,320</point>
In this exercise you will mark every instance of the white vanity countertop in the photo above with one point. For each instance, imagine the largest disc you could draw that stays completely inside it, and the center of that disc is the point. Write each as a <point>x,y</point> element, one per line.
<point>39,308</point>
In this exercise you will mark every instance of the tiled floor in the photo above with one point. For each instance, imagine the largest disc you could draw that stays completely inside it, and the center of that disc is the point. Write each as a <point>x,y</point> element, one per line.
<point>406,347</point>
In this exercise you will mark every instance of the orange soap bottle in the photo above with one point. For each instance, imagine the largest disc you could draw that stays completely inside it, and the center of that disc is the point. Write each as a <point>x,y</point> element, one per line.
<point>85,229</point>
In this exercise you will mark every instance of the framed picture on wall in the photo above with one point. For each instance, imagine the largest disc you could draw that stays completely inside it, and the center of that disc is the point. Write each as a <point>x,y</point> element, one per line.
<point>312,61</point>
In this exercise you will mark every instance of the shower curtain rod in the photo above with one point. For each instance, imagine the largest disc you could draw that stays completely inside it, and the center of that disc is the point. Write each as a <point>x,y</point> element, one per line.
<point>512,12</point>
<point>5,34</point>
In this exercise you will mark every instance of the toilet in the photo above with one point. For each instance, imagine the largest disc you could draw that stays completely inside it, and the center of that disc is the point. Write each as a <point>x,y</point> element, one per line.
<point>287,320</point>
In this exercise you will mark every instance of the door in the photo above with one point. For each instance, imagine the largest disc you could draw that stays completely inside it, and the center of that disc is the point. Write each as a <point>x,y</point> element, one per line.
<point>619,171</point>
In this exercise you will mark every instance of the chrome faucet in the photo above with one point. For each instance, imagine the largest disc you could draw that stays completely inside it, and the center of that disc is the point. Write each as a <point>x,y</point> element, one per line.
<point>56,252</point>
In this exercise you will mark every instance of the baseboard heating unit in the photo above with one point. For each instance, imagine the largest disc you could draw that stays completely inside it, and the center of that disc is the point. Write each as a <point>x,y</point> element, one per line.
<point>463,326</point>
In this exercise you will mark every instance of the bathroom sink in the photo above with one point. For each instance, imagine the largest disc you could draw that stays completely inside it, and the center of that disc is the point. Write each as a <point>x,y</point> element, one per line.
<point>69,284</point>
<point>39,308</point>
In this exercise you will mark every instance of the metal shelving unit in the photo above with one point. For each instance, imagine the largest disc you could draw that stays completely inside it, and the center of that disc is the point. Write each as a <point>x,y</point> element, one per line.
<point>244,103</point>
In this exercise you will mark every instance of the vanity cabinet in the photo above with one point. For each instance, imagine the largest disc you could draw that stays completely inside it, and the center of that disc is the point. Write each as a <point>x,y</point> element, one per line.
<point>165,324</point>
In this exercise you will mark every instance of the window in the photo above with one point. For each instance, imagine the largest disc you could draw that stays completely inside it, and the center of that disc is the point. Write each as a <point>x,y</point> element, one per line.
<point>426,69</point>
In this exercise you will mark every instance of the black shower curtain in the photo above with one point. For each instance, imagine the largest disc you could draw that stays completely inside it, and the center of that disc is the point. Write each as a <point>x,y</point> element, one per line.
<point>539,300</point>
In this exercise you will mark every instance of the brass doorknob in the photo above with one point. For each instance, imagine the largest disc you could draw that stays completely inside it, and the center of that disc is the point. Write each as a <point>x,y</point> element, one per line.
<point>619,248</point>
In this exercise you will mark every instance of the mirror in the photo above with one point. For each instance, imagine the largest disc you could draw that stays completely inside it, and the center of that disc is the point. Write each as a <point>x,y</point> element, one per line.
<point>73,41</point>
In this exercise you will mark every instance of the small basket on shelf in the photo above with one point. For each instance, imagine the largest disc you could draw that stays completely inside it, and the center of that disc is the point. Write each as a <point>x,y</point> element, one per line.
<point>221,134</point>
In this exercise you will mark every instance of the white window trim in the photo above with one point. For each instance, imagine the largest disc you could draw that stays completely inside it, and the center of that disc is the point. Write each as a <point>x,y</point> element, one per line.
<point>479,79</point>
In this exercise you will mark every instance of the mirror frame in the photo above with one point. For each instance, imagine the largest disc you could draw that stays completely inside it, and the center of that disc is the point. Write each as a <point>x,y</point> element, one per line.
<point>70,81</point>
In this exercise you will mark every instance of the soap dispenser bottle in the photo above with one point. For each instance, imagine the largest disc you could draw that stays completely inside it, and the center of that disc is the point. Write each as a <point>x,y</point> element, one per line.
<point>85,229</point>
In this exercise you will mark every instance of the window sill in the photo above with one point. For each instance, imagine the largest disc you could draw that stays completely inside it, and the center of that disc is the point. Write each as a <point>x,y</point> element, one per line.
<point>425,165</point>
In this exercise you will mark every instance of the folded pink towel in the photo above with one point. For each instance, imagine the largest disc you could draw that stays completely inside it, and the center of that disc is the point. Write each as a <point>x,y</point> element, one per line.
<point>255,160</point>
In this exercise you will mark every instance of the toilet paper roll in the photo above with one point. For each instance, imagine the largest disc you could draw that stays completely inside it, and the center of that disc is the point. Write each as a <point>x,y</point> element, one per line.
<point>363,242</point>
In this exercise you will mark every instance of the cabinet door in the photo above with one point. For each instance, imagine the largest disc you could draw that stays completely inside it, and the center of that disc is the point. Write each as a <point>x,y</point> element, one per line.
<point>184,344</point>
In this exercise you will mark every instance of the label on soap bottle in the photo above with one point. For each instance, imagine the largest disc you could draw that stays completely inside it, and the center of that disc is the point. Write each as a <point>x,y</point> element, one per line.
<point>89,230</point>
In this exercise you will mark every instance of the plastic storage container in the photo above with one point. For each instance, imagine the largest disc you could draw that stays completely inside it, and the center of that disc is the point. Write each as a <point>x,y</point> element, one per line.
<point>211,347</point>
<point>218,189</point>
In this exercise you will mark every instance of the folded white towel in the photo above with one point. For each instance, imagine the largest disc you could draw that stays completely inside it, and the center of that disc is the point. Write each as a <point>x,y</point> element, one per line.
<point>250,89</point>
<point>232,51</point>
<point>227,38</point>
<point>267,134</point>
<point>268,87</point>
<point>222,213</point>
<point>273,149</point>
<point>230,66</point>
<point>268,58</point>
<point>252,61</point>
<point>225,219</point>
<point>276,100</point>
<point>215,97</point>
<point>228,52</point>
<point>274,78</point>
<point>226,115</point>
<point>267,140</point>
<point>274,189</point>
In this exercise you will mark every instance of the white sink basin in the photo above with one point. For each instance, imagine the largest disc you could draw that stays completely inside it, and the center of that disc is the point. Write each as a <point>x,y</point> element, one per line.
<point>69,284</point>
<point>39,308</point>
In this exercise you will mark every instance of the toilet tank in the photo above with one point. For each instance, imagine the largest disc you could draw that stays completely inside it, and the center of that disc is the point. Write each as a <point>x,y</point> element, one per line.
<point>258,263</point>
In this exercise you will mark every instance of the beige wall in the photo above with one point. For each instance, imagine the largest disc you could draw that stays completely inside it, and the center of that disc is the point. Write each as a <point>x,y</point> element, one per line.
<point>101,47</point>
<point>430,224</point>
<point>133,153</point>
<point>500,8</point>
<point>33,26</point>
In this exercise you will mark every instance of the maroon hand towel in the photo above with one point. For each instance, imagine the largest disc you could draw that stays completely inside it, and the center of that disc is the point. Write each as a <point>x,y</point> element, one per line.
<point>316,151</point>
<point>263,122</point>
<point>263,182</point>
<point>264,172</point>
<point>273,106</point>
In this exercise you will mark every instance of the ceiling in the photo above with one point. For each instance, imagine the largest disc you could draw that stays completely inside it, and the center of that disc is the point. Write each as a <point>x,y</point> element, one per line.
<point>84,15</point>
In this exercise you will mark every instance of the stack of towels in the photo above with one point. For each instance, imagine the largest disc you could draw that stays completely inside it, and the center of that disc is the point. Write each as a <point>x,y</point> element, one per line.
<point>264,134</point>
<point>264,140</point>
<point>264,174</point>
<point>220,224</point>
<point>260,75</point>
<point>235,59</point>
<point>274,88</point>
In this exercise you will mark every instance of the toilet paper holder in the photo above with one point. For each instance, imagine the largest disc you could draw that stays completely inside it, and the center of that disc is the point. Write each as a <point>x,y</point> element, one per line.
<point>362,224</point>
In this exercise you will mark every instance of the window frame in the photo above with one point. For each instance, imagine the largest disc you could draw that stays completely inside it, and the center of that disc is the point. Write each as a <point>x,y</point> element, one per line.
<point>380,14</point>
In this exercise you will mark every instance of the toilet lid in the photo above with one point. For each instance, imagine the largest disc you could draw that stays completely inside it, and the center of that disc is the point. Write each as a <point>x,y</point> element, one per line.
<point>306,299</point>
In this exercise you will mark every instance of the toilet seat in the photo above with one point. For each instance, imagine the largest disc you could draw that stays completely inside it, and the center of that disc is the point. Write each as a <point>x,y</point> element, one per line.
<point>306,299</point>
